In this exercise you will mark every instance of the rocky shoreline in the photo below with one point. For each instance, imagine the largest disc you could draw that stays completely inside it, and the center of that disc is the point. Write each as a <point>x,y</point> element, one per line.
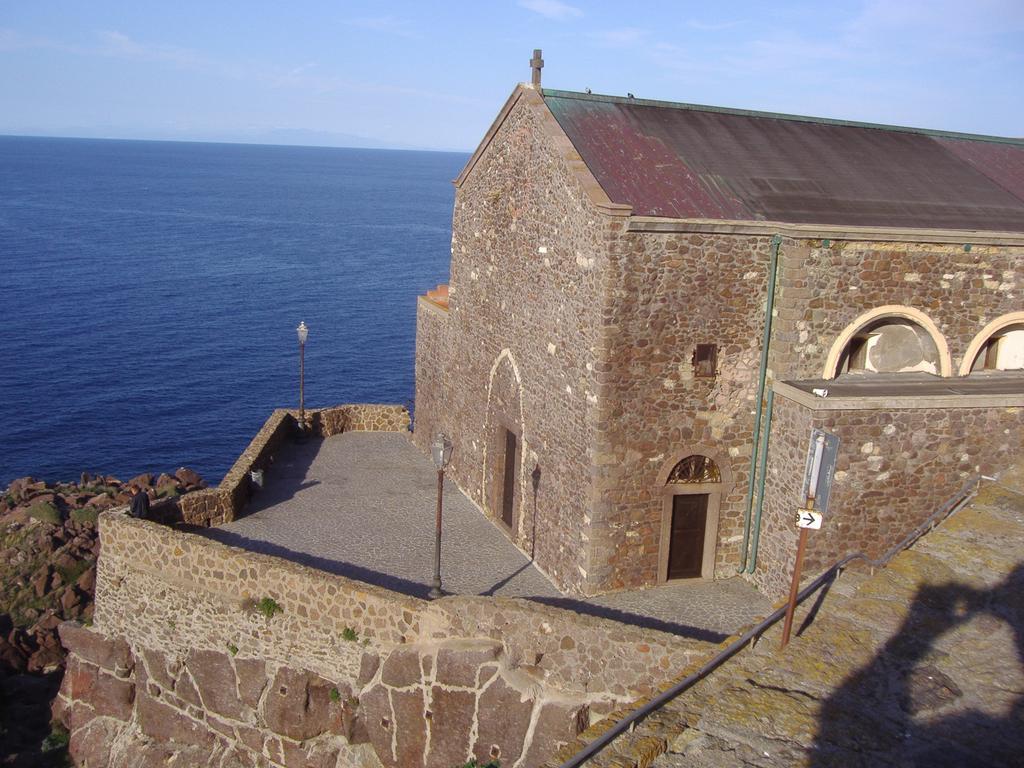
<point>48,551</point>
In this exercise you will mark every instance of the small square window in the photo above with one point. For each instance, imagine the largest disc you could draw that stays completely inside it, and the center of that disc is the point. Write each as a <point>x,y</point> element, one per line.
<point>705,360</point>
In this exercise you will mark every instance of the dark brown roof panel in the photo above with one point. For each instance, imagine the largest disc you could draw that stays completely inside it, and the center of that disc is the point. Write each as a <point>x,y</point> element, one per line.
<point>681,161</point>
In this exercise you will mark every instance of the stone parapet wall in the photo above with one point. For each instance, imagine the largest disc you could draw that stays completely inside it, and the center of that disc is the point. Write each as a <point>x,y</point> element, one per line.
<point>215,506</point>
<point>192,668</point>
<point>603,660</point>
<point>361,417</point>
<point>895,467</point>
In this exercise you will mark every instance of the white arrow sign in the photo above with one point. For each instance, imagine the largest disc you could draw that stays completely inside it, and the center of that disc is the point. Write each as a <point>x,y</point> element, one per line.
<point>808,519</point>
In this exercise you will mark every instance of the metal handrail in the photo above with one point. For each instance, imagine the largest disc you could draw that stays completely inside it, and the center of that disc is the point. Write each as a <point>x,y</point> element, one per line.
<point>964,495</point>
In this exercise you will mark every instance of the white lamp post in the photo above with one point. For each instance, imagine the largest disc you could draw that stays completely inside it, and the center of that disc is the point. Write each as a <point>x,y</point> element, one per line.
<point>302,332</point>
<point>441,453</point>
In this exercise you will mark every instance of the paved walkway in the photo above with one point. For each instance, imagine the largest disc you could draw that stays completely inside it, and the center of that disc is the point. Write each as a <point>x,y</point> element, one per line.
<point>361,504</point>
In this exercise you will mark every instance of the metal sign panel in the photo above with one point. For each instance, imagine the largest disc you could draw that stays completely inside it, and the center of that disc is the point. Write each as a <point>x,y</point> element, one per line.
<point>807,519</point>
<point>821,465</point>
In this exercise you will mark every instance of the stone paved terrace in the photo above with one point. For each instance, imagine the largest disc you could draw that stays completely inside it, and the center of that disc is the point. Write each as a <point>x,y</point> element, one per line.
<point>361,504</point>
<point>920,664</point>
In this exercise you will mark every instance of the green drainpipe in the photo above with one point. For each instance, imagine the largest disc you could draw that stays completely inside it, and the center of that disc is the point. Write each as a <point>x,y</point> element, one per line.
<point>761,377</point>
<point>760,482</point>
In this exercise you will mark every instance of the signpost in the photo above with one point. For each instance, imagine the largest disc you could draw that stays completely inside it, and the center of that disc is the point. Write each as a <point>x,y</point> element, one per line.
<point>821,461</point>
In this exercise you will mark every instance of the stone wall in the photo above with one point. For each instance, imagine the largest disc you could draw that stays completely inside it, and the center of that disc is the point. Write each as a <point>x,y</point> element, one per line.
<point>826,285</point>
<point>894,468</point>
<point>518,348</point>
<point>673,290</point>
<point>215,506</point>
<point>672,293</point>
<point>181,661</point>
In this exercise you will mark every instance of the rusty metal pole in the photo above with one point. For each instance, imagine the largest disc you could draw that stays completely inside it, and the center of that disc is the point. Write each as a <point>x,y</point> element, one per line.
<point>794,587</point>
<point>435,589</point>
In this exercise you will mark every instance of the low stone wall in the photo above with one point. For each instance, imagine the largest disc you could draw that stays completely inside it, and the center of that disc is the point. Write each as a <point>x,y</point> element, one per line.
<point>359,418</point>
<point>895,467</point>
<point>222,504</point>
<point>182,663</point>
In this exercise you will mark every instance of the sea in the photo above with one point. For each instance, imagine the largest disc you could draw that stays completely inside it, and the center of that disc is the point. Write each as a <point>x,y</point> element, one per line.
<point>150,293</point>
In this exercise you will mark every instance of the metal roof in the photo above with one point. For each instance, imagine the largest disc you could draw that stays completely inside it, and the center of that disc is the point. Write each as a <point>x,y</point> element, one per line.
<point>688,161</point>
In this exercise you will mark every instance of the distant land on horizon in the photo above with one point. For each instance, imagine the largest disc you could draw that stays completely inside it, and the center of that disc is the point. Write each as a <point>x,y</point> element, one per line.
<point>284,137</point>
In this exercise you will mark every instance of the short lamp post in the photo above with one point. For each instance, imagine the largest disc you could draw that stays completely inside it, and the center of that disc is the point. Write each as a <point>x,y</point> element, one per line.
<point>441,453</point>
<point>302,332</point>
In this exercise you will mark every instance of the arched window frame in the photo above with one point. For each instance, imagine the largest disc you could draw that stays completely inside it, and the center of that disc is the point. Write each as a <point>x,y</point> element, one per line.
<point>916,316</point>
<point>986,333</point>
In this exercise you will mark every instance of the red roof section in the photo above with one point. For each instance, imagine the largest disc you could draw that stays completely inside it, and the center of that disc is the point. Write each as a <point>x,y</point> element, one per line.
<point>690,162</point>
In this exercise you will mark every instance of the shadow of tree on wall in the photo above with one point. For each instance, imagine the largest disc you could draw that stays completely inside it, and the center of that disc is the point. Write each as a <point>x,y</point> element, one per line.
<point>924,700</point>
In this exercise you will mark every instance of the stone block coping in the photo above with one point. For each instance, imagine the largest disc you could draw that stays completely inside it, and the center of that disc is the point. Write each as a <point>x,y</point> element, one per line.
<point>906,391</point>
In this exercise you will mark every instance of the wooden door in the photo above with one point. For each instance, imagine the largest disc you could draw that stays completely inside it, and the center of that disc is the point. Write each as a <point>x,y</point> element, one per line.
<point>510,482</point>
<point>686,541</point>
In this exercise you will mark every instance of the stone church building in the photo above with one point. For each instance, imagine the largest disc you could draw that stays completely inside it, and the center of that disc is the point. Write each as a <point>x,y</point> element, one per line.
<point>652,305</point>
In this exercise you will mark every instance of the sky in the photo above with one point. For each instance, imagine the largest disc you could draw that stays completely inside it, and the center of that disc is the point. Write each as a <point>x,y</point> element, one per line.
<point>433,74</point>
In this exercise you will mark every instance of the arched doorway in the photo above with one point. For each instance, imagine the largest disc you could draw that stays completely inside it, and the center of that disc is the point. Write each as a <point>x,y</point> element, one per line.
<point>689,525</point>
<point>504,445</point>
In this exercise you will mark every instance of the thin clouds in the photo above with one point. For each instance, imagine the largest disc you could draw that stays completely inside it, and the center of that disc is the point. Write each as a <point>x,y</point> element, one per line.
<point>119,45</point>
<point>296,71</point>
<point>705,26</point>
<point>552,9</point>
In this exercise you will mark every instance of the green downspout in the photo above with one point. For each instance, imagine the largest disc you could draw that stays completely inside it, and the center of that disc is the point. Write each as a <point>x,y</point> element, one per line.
<point>762,376</point>
<point>760,482</point>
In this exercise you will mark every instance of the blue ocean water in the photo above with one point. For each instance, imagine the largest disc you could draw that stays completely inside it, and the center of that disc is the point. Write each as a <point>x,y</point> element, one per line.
<point>150,293</point>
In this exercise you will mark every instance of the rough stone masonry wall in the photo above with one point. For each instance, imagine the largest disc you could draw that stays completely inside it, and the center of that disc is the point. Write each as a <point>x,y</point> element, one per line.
<point>215,506</point>
<point>181,665</point>
<point>674,292</point>
<point>823,288</point>
<point>895,467</point>
<point>517,348</point>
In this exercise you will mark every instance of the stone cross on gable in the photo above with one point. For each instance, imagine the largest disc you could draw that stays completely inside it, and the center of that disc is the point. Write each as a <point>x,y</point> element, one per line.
<point>536,64</point>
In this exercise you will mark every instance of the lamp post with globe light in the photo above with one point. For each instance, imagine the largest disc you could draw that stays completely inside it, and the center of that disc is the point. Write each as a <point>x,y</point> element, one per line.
<point>302,332</point>
<point>441,453</point>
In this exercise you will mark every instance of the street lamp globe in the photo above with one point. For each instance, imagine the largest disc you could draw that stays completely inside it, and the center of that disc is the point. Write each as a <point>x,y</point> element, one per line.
<point>441,450</point>
<point>302,331</point>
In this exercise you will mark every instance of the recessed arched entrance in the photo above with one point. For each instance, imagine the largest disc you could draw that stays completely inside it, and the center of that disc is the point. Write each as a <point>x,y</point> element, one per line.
<point>504,444</point>
<point>692,494</point>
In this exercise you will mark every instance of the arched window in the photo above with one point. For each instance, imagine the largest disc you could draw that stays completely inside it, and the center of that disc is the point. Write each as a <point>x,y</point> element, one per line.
<point>890,345</point>
<point>1001,351</point>
<point>893,338</point>
<point>694,469</point>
